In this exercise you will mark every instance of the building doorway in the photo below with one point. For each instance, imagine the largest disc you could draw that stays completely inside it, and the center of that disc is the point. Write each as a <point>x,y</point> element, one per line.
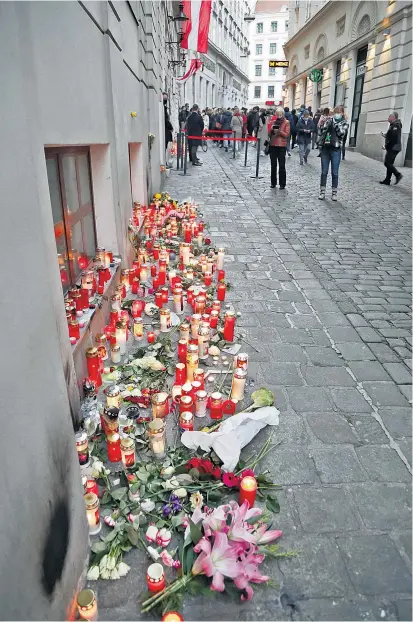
<point>358,94</point>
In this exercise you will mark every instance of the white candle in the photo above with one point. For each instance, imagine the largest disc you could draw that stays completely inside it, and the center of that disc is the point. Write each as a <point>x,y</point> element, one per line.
<point>238,384</point>
<point>220,259</point>
<point>144,273</point>
<point>171,275</point>
<point>186,248</point>
<point>195,321</point>
<point>200,239</point>
<point>121,338</point>
<point>165,319</point>
<point>178,301</point>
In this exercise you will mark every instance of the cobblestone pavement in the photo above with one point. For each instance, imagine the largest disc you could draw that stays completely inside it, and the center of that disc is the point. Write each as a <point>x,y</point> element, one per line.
<point>324,291</point>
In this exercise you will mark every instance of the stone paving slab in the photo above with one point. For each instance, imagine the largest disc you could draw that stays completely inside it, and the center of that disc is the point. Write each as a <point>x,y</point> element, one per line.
<point>324,291</point>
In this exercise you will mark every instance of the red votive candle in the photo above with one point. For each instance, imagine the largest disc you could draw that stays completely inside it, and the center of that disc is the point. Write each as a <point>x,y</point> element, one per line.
<point>84,296</point>
<point>172,616</point>
<point>216,406</point>
<point>159,299</point>
<point>221,289</point>
<point>137,308</point>
<point>207,279</point>
<point>155,282</point>
<point>165,294</point>
<point>221,275</point>
<point>229,326</point>
<point>92,487</point>
<point>113,446</point>
<point>180,372</point>
<point>150,337</point>
<point>182,350</point>
<point>213,319</point>
<point>135,285</point>
<point>199,376</point>
<point>155,578</point>
<point>248,490</point>
<point>153,270</point>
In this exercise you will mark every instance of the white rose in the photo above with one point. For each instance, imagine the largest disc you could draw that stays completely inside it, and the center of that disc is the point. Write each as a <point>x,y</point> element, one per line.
<point>103,563</point>
<point>93,574</point>
<point>214,351</point>
<point>114,575</point>
<point>147,505</point>
<point>105,574</point>
<point>123,569</point>
<point>97,468</point>
<point>157,366</point>
<point>111,563</point>
<point>180,492</point>
<point>168,471</point>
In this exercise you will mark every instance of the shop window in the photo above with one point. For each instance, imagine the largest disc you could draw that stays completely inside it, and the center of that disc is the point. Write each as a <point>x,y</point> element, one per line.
<point>70,187</point>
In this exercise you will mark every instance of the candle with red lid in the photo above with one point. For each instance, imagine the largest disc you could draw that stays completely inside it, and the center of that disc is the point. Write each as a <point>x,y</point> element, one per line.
<point>137,308</point>
<point>150,336</point>
<point>221,275</point>
<point>135,285</point>
<point>216,404</point>
<point>213,319</point>
<point>207,279</point>
<point>155,578</point>
<point>182,350</point>
<point>153,270</point>
<point>180,372</point>
<point>165,294</point>
<point>159,299</point>
<point>248,490</point>
<point>113,446</point>
<point>92,487</point>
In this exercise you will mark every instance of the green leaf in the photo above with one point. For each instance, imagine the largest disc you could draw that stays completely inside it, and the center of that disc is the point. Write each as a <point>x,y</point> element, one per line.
<point>194,473</point>
<point>196,531</point>
<point>214,495</point>
<point>161,523</point>
<point>110,536</point>
<point>272,504</point>
<point>119,493</point>
<point>189,558</point>
<point>98,547</point>
<point>132,535</point>
<point>177,520</point>
<point>142,490</point>
<point>126,548</point>
<point>143,477</point>
<point>105,498</point>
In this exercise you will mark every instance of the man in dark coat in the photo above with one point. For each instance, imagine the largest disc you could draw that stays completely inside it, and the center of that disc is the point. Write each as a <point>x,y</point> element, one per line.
<point>194,127</point>
<point>392,145</point>
<point>253,120</point>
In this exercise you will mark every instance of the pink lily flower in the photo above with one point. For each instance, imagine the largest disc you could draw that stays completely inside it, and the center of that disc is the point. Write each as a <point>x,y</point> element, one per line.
<point>216,521</point>
<point>238,531</point>
<point>264,535</point>
<point>250,573</point>
<point>218,562</point>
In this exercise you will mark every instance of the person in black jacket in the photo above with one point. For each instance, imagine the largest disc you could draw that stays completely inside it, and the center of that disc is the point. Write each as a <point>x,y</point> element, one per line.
<point>168,139</point>
<point>253,120</point>
<point>194,127</point>
<point>294,128</point>
<point>392,145</point>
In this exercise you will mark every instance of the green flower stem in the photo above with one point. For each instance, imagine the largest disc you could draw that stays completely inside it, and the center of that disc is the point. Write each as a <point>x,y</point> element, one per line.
<point>152,602</point>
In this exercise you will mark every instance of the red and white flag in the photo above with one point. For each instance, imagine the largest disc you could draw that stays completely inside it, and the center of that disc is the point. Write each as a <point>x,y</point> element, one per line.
<point>196,28</point>
<point>194,65</point>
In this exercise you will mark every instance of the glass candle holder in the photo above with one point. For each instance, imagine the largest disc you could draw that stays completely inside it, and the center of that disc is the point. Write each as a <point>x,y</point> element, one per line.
<point>144,273</point>
<point>185,249</point>
<point>115,354</point>
<point>121,337</point>
<point>248,490</point>
<point>186,421</point>
<point>184,331</point>
<point>201,400</point>
<point>157,438</point>
<point>241,361</point>
<point>182,345</point>
<point>155,578</point>
<point>229,326</point>
<point>207,279</point>
<point>238,384</point>
<point>165,294</point>
<point>216,405</point>
<point>178,300</point>
<point>127,448</point>
<point>124,278</point>
<point>213,319</point>
<point>187,388</point>
<point>162,272</point>
<point>165,319</point>
<point>180,371</point>
<point>110,420</point>
<point>74,329</point>
<point>113,398</point>
<point>186,404</point>
<point>113,447</point>
<point>150,336</point>
<point>87,605</point>
<point>91,487</point>
<point>93,365</point>
<point>220,276</point>
<point>192,361</point>
<point>196,386</point>
<point>137,308</point>
<point>195,321</point>
<point>199,376</point>
<point>138,328</point>
<point>82,447</point>
<point>203,342</point>
<point>101,344</point>
<point>172,616</point>
<point>220,258</point>
<point>221,290</point>
<point>216,306</point>
<point>159,299</point>
<point>92,513</point>
<point>159,405</point>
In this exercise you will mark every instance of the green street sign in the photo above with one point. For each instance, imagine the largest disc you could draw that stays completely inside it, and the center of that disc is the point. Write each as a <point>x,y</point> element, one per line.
<point>316,75</point>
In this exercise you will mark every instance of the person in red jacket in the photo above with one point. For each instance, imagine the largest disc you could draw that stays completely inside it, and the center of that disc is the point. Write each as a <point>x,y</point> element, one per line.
<point>278,134</point>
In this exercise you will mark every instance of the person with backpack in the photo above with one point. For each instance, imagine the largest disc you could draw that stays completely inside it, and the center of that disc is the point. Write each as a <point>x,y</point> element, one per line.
<point>304,131</point>
<point>330,142</point>
<point>392,146</point>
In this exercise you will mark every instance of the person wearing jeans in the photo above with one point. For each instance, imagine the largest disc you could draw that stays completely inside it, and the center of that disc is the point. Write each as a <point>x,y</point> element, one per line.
<point>278,134</point>
<point>331,143</point>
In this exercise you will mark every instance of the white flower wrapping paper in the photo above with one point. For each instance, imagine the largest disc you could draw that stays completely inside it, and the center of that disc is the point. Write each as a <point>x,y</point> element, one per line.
<point>234,434</point>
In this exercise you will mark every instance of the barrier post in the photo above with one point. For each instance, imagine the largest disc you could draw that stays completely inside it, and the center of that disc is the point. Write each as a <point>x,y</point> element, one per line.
<point>246,151</point>
<point>257,166</point>
<point>233,145</point>
<point>178,149</point>
<point>185,154</point>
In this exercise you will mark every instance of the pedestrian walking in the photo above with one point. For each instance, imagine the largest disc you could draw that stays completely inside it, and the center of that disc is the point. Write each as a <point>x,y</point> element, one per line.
<point>294,128</point>
<point>304,132</point>
<point>205,118</point>
<point>331,142</point>
<point>168,140</point>
<point>392,146</point>
<point>225,121</point>
<point>244,122</point>
<point>236,126</point>
<point>183,115</point>
<point>278,133</point>
<point>323,118</point>
<point>316,119</point>
<point>194,127</point>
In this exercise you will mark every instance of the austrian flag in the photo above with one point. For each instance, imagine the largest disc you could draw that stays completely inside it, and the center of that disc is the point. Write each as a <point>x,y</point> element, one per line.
<point>196,29</point>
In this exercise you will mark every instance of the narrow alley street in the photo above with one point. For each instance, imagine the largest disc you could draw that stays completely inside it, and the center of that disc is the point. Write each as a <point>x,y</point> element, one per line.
<point>324,290</point>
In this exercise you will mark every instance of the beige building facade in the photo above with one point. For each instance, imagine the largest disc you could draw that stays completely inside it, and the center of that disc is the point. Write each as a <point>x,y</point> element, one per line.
<point>363,51</point>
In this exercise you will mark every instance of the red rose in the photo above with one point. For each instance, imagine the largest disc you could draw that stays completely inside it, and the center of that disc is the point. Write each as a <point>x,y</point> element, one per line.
<point>194,463</point>
<point>230,480</point>
<point>207,241</point>
<point>247,473</point>
<point>216,472</point>
<point>206,466</point>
